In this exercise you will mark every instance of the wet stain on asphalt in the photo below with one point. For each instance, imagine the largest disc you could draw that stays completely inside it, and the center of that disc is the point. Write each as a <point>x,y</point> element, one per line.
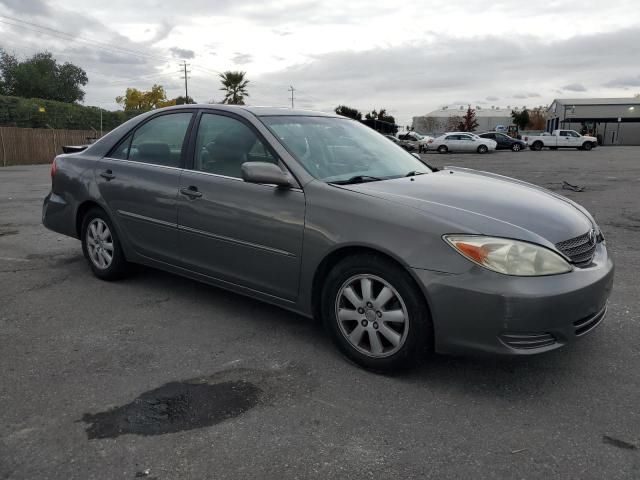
<point>616,442</point>
<point>202,402</point>
<point>175,407</point>
<point>4,233</point>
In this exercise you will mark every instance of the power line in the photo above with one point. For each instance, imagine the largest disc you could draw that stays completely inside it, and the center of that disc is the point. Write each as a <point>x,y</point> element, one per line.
<point>76,38</point>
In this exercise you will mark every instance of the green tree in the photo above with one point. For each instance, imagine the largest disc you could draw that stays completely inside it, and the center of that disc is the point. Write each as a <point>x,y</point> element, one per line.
<point>142,101</point>
<point>234,84</point>
<point>521,119</point>
<point>468,122</point>
<point>348,112</point>
<point>181,100</point>
<point>41,76</point>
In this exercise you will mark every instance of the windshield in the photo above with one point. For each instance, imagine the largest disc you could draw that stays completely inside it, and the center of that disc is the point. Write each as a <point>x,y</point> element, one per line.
<point>337,150</point>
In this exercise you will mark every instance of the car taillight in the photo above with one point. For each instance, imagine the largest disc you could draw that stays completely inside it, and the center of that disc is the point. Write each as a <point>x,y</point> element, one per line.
<point>54,168</point>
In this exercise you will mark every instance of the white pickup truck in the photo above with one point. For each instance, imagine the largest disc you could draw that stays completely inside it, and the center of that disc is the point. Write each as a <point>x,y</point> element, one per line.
<point>561,139</point>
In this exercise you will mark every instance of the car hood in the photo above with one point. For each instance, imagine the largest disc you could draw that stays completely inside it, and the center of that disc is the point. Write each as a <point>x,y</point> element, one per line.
<point>469,201</point>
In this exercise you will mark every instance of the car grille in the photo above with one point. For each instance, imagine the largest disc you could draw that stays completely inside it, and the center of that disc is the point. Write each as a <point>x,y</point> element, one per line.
<point>527,340</point>
<point>585,325</point>
<point>579,250</point>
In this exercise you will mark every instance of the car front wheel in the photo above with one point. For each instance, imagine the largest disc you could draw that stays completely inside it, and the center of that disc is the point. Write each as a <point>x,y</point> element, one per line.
<point>516,147</point>
<point>443,149</point>
<point>101,246</point>
<point>375,313</point>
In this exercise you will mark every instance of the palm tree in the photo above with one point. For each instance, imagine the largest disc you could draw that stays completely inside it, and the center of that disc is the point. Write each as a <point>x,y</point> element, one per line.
<point>235,86</point>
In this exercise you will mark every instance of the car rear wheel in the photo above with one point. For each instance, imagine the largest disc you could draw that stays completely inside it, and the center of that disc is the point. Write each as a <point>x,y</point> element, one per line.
<point>516,147</point>
<point>587,146</point>
<point>483,149</point>
<point>101,246</point>
<point>375,313</point>
<point>443,149</point>
<point>537,146</point>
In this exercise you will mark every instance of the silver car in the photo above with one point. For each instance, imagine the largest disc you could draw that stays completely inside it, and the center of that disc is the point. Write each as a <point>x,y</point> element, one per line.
<point>461,142</point>
<point>321,215</point>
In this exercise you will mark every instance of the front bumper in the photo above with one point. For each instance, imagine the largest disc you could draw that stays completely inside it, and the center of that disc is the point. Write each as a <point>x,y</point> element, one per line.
<point>483,311</point>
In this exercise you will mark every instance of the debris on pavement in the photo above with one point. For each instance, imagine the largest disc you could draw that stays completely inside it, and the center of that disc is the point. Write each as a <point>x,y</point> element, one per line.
<point>568,186</point>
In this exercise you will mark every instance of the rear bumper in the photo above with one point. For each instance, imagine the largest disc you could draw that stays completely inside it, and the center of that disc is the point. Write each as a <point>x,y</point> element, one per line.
<point>57,215</point>
<point>485,312</point>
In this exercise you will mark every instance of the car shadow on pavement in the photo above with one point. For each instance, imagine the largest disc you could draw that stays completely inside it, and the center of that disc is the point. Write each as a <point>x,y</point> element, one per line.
<point>508,377</point>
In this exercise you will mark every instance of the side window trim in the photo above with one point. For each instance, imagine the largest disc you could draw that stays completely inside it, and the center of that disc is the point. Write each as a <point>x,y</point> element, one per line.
<point>130,134</point>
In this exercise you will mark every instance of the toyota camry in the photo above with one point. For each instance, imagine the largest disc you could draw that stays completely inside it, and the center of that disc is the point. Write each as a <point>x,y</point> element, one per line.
<point>323,216</point>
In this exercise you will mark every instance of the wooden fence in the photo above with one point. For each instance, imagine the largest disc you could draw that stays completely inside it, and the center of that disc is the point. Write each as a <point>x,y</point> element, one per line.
<point>27,146</point>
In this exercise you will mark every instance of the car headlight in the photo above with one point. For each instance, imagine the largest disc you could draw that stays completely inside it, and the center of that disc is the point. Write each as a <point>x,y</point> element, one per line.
<point>510,257</point>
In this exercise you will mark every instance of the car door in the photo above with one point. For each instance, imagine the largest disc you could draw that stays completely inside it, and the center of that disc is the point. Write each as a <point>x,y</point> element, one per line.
<point>139,180</point>
<point>243,233</point>
<point>574,139</point>
<point>452,143</point>
<point>564,139</point>
<point>504,141</point>
<point>467,144</point>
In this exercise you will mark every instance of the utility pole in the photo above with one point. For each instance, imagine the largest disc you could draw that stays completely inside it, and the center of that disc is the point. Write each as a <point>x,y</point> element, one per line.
<point>291,89</point>
<point>186,76</point>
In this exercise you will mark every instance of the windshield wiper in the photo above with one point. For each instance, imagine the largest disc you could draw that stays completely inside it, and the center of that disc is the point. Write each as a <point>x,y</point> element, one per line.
<point>357,179</point>
<point>413,173</point>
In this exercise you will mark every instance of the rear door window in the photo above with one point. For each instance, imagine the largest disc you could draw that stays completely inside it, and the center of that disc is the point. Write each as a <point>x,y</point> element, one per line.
<point>159,141</point>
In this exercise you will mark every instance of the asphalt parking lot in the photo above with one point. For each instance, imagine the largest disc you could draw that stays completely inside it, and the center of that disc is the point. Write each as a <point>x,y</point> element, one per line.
<point>91,371</point>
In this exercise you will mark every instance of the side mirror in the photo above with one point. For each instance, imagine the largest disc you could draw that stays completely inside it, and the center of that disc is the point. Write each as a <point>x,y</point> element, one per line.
<point>264,172</point>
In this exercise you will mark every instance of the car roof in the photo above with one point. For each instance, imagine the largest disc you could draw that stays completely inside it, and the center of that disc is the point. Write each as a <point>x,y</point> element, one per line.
<point>258,111</point>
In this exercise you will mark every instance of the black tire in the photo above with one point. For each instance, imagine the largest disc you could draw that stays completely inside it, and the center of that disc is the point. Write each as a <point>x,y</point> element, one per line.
<point>419,336</point>
<point>118,266</point>
<point>483,149</point>
<point>587,146</point>
<point>537,146</point>
<point>516,147</point>
<point>443,149</point>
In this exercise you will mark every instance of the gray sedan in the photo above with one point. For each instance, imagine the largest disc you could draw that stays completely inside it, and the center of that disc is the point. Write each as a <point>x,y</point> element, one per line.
<point>323,216</point>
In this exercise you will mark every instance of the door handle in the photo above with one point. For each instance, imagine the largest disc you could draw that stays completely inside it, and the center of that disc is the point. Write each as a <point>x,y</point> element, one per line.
<point>191,192</point>
<point>108,175</point>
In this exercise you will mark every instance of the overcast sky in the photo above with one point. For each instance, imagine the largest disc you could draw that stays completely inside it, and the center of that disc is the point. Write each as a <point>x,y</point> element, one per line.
<point>410,57</point>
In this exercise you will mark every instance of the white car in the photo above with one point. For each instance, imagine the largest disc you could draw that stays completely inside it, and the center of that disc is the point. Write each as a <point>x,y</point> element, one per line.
<point>417,141</point>
<point>461,142</point>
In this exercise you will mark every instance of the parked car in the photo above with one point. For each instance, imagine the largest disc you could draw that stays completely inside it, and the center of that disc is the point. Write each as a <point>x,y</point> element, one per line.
<point>461,142</point>
<point>321,215</point>
<point>406,145</point>
<point>562,139</point>
<point>417,141</point>
<point>504,141</point>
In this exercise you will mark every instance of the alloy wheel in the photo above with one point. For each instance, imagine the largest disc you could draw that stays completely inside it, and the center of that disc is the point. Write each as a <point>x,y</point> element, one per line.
<point>100,243</point>
<point>372,315</point>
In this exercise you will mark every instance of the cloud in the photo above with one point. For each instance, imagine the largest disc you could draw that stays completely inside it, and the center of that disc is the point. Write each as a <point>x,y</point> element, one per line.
<point>575,87</point>
<point>242,58</point>
<point>162,32</point>
<point>622,82</point>
<point>182,53</point>
<point>458,67</point>
<point>29,7</point>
